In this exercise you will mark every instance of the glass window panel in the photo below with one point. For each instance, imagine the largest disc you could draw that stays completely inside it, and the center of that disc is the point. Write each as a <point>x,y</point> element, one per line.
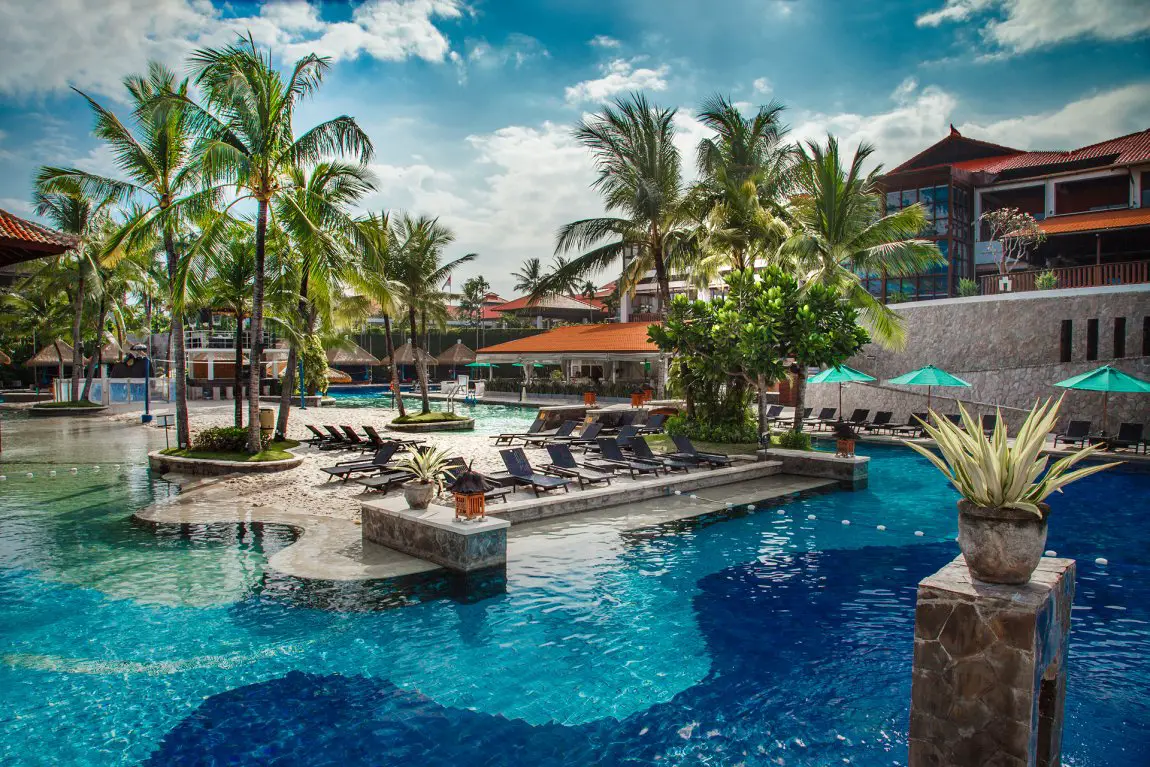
<point>892,201</point>
<point>926,196</point>
<point>941,193</point>
<point>941,226</point>
<point>909,197</point>
<point>941,209</point>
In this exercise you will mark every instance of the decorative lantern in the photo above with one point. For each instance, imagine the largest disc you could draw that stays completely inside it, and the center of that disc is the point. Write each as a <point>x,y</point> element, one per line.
<point>469,488</point>
<point>648,392</point>
<point>845,438</point>
<point>589,397</point>
<point>636,398</point>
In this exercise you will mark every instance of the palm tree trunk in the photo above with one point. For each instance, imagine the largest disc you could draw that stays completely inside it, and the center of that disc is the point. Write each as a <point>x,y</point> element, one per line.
<point>420,366</point>
<point>59,361</point>
<point>763,386</point>
<point>257,326</point>
<point>800,385</point>
<point>77,350</point>
<point>390,346</point>
<point>97,353</point>
<point>176,345</point>
<point>238,372</point>
<point>289,373</point>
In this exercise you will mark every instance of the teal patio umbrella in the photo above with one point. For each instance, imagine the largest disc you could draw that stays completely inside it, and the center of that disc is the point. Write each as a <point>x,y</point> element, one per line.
<point>1106,380</point>
<point>840,374</point>
<point>535,365</point>
<point>488,365</point>
<point>928,376</point>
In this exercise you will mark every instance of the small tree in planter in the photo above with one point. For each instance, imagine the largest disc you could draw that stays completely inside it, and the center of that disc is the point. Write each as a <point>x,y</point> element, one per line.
<point>1002,515</point>
<point>1015,231</point>
<point>427,468</point>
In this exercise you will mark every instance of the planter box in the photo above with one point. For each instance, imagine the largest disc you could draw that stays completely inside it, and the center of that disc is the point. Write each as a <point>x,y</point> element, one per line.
<point>162,464</point>
<point>851,473</point>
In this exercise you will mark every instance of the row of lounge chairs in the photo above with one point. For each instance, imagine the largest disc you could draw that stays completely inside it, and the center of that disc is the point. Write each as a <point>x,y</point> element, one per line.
<point>347,438</point>
<point>536,436</point>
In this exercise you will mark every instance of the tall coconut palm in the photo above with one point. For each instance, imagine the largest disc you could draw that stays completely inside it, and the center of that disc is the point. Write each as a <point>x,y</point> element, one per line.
<point>419,272</point>
<point>227,284</point>
<point>312,213</point>
<point>375,280</point>
<point>247,145</point>
<point>640,178</point>
<point>153,151</point>
<point>529,276</point>
<point>840,234</point>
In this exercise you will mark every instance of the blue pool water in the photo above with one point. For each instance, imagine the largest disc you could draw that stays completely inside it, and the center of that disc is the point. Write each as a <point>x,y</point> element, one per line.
<point>764,638</point>
<point>489,419</point>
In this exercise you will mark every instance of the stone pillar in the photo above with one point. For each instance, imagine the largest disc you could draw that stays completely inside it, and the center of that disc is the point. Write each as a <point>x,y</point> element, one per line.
<point>990,668</point>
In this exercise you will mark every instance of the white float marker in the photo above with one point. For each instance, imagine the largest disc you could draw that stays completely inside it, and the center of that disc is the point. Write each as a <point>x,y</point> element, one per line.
<point>1102,561</point>
<point>919,533</point>
<point>694,497</point>
<point>881,528</point>
<point>52,473</point>
<point>750,507</point>
<point>1050,553</point>
<point>846,521</point>
<point>811,516</point>
<point>678,492</point>
<point>29,474</point>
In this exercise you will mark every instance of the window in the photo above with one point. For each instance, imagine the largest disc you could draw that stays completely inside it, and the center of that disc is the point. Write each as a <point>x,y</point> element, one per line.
<point>909,197</point>
<point>1066,341</point>
<point>1119,337</point>
<point>1092,339</point>
<point>892,199</point>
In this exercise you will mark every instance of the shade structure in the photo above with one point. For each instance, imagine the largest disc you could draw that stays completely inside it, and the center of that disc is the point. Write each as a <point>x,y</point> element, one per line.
<point>337,376</point>
<point>406,355</point>
<point>520,365</point>
<point>928,376</point>
<point>456,354</point>
<point>840,374</point>
<point>350,354</point>
<point>1106,380</point>
<point>48,358</point>
<point>479,365</point>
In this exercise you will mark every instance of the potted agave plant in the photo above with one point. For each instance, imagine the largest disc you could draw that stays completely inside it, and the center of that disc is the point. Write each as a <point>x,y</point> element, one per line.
<point>1002,515</point>
<point>427,469</point>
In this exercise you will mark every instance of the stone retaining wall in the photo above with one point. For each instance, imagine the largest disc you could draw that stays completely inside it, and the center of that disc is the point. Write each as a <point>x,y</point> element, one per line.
<point>203,468</point>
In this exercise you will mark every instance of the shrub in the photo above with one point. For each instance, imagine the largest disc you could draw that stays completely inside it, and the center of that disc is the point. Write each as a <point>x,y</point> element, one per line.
<point>794,440</point>
<point>1046,281</point>
<point>704,431</point>
<point>897,297</point>
<point>967,288</point>
<point>226,439</point>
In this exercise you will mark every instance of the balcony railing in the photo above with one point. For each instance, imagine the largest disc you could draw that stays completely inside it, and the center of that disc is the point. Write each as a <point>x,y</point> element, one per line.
<point>222,339</point>
<point>1125,273</point>
<point>645,317</point>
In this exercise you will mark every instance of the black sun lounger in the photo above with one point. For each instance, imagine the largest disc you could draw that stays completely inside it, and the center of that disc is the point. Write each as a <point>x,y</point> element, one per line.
<point>508,438</point>
<point>654,424</point>
<point>686,449</point>
<point>564,464</point>
<point>345,469</point>
<point>317,438</point>
<point>643,452</point>
<point>612,455</point>
<point>522,474</point>
<point>881,421</point>
<point>586,437</point>
<point>566,429</point>
<point>1075,434</point>
<point>495,492</point>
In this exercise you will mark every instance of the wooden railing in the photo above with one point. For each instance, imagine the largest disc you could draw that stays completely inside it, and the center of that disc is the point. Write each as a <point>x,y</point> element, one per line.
<point>1125,273</point>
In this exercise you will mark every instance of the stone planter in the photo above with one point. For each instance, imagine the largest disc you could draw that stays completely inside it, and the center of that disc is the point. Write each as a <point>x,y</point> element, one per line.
<point>418,494</point>
<point>1001,545</point>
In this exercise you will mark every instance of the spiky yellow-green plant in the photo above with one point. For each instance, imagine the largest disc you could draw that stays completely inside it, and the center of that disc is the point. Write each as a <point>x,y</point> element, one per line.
<point>991,473</point>
<point>427,466</point>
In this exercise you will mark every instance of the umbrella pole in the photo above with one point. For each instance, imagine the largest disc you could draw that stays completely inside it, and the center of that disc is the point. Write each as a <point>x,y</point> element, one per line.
<point>1105,397</point>
<point>840,400</point>
<point>928,400</point>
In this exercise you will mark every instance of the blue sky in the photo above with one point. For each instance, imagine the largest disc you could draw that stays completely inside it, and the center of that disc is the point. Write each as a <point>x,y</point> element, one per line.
<point>470,104</point>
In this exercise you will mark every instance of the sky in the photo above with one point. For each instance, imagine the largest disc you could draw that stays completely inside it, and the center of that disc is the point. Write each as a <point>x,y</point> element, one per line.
<point>471,104</point>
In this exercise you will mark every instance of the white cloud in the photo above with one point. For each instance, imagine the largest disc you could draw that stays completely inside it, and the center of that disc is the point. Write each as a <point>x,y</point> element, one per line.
<point>517,51</point>
<point>619,76</point>
<point>920,117</point>
<point>52,44</point>
<point>603,41</point>
<point>16,205</point>
<point>1017,26</point>
<point>762,86</point>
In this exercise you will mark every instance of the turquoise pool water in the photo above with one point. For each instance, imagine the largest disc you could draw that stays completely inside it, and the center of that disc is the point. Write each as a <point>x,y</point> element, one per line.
<point>489,419</point>
<point>764,637</point>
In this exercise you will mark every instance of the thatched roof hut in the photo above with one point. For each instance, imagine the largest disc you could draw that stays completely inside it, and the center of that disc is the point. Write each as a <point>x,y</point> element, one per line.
<point>405,355</point>
<point>458,354</point>
<point>48,357</point>
<point>352,354</point>
<point>337,376</point>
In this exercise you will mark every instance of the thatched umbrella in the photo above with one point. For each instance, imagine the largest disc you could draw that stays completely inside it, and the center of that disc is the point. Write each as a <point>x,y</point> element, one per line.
<point>353,354</point>
<point>337,376</point>
<point>458,354</point>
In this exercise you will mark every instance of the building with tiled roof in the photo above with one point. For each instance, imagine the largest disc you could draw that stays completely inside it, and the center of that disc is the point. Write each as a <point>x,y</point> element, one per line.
<point>552,309</point>
<point>1092,202</point>
<point>609,351</point>
<point>22,241</point>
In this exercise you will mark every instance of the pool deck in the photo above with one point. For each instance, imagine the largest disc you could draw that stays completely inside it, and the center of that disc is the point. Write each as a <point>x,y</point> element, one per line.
<point>332,549</point>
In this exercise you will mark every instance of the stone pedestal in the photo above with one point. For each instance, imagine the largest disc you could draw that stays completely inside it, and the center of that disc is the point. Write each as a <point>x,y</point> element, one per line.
<point>434,535</point>
<point>990,669</point>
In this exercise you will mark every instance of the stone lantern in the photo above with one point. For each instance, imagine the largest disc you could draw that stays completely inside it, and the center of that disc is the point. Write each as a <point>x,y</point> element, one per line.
<point>469,489</point>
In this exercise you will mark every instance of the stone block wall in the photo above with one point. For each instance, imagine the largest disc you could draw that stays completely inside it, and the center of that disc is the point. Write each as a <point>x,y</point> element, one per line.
<point>1009,349</point>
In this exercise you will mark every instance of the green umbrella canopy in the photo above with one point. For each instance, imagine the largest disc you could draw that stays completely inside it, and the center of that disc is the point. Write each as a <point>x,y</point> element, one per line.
<point>840,374</point>
<point>928,376</point>
<point>520,364</point>
<point>1106,380</point>
<point>479,365</point>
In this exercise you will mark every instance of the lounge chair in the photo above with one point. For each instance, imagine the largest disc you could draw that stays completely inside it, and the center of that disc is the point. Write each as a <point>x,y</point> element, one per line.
<point>643,452</point>
<point>586,437</point>
<point>566,429</point>
<point>385,480</point>
<point>563,463</point>
<point>623,437</point>
<point>858,417</point>
<point>912,427</point>
<point>508,438</point>
<point>773,413</point>
<point>686,449</point>
<point>455,465</point>
<point>956,419</point>
<point>374,436</point>
<point>521,472</point>
<point>613,456</point>
<point>988,421</point>
<point>626,418</point>
<point>654,424</point>
<point>336,441</point>
<point>1075,435</point>
<point>345,469</point>
<point>880,422</point>
<point>1129,435</point>
<point>318,437</point>
<point>356,441</point>
<point>825,416</point>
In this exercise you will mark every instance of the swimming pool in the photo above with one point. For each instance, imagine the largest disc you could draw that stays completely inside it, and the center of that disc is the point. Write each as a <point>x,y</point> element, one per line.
<point>489,419</point>
<point>764,637</point>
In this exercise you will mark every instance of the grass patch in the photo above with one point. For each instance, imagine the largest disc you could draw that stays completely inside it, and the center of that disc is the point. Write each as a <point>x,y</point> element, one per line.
<point>661,443</point>
<point>277,451</point>
<point>435,416</point>
<point>71,404</point>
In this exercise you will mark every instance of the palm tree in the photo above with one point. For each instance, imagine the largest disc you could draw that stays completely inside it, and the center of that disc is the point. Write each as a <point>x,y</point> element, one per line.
<point>155,156</point>
<point>744,171</point>
<point>247,144</point>
<point>311,211</point>
<point>641,180</point>
<point>418,245</point>
<point>589,291</point>
<point>529,276</point>
<point>227,285</point>
<point>375,279</point>
<point>840,234</point>
<point>563,282</point>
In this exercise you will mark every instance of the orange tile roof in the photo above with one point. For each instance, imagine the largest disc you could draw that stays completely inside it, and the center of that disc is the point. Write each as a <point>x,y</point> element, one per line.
<point>613,337</point>
<point>15,230</point>
<point>1125,150</point>
<point>1096,220</point>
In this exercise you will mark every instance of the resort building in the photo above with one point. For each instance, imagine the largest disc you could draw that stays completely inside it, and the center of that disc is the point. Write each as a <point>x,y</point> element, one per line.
<point>554,310</point>
<point>22,242</point>
<point>489,317</point>
<point>1093,204</point>
<point>619,351</point>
